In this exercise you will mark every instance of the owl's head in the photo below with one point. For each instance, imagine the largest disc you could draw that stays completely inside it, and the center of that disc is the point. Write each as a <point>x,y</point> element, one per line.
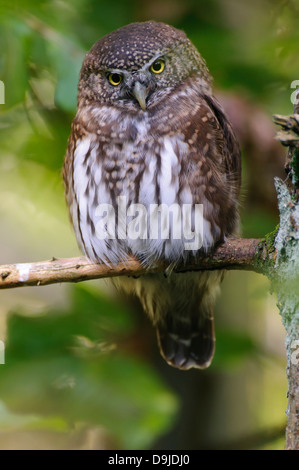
<point>136,66</point>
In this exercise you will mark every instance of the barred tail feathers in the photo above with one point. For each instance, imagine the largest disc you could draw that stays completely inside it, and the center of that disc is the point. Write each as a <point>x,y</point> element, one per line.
<point>180,307</point>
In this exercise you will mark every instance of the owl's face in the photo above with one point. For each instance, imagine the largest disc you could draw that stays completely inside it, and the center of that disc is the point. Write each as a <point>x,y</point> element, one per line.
<point>137,66</point>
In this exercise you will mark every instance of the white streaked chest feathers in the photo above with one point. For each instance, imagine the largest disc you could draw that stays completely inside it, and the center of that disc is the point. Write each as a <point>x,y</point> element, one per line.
<point>133,169</point>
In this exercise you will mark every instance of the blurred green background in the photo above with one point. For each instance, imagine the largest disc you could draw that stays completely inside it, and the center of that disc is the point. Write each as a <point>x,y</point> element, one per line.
<point>82,367</point>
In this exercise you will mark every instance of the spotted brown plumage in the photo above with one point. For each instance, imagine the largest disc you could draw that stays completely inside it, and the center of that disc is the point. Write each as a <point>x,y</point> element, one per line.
<point>154,135</point>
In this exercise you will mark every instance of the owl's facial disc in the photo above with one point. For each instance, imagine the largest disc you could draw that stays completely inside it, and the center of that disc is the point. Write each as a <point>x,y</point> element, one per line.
<point>144,83</point>
<point>138,86</point>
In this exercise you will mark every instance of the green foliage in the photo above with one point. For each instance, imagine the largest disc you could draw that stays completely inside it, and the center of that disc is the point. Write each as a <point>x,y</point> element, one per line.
<point>233,349</point>
<point>69,369</point>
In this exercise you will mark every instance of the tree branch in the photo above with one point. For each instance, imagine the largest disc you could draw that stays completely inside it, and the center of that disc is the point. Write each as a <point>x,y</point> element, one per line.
<point>243,254</point>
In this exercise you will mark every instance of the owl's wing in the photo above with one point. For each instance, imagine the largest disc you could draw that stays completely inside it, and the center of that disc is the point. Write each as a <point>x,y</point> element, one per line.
<point>231,148</point>
<point>212,170</point>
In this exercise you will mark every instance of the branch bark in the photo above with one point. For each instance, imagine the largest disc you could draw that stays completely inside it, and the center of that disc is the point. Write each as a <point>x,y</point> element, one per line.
<point>286,279</point>
<point>243,254</point>
<point>285,282</point>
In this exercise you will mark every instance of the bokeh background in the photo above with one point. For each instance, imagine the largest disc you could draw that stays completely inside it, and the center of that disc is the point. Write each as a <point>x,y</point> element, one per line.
<point>82,366</point>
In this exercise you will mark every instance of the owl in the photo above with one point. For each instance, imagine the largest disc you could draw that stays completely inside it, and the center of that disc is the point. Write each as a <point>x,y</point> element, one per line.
<point>152,170</point>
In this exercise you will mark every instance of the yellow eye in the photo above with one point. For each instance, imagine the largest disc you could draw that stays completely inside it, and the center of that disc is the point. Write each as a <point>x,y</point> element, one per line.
<point>158,66</point>
<point>115,78</point>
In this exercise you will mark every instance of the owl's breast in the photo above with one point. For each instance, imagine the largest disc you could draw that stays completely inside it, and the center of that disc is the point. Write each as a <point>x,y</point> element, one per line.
<point>142,186</point>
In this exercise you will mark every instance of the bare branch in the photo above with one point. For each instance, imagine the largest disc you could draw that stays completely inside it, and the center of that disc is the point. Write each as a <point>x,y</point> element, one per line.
<point>244,254</point>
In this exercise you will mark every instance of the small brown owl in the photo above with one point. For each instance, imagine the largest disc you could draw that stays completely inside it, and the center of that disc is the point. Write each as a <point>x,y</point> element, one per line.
<point>153,170</point>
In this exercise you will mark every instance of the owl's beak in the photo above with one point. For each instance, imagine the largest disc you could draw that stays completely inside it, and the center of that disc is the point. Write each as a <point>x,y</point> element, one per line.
<point>140,92</point>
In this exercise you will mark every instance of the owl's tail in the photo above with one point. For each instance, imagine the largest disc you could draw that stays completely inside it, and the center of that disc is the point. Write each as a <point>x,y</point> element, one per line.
<point>180,307</point>
<point>187,340</point>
